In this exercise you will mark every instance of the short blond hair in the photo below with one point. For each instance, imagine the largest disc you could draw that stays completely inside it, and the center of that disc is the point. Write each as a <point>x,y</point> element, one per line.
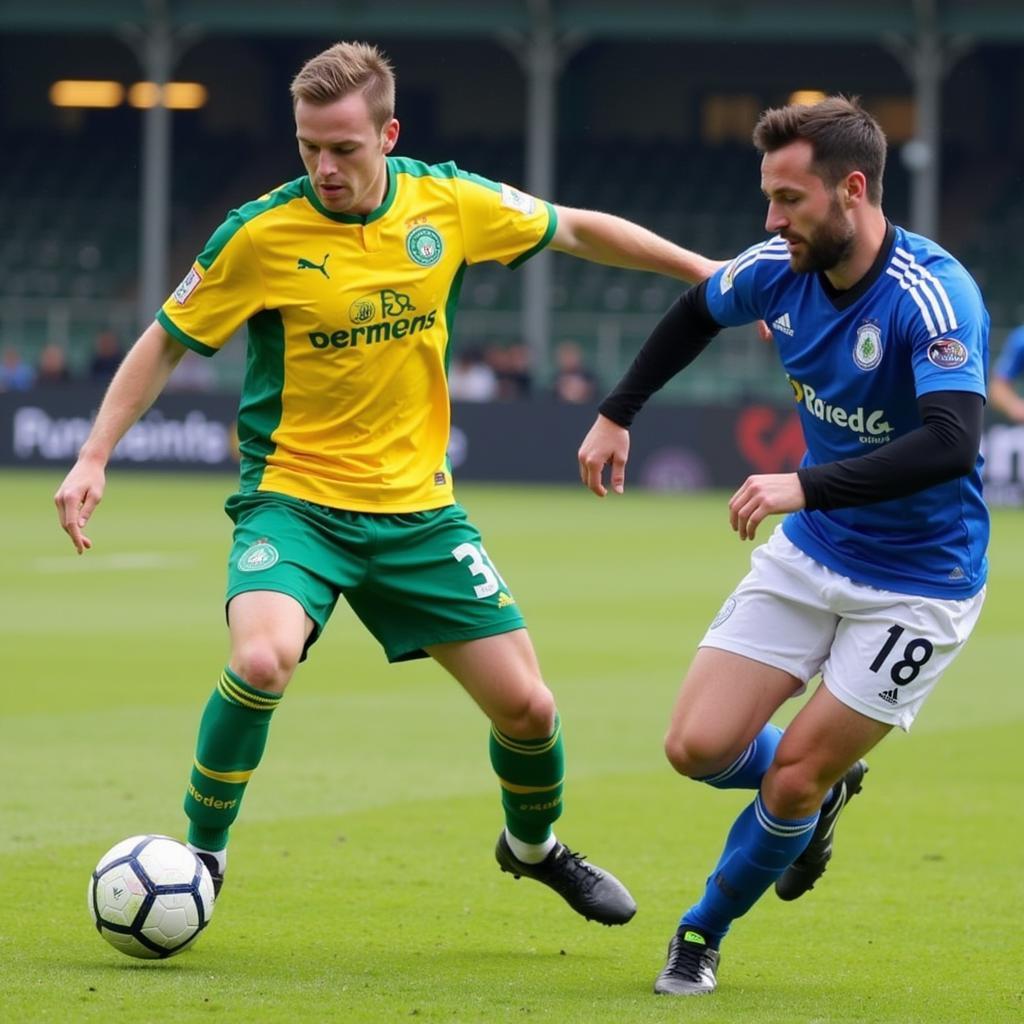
<point>346,68</point>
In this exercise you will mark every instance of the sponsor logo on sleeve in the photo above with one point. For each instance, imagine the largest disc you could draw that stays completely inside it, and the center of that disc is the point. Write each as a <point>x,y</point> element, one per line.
<point>725,281</point>
<point>190,283</point>
<point>947,354</point>
<point>516,200</point>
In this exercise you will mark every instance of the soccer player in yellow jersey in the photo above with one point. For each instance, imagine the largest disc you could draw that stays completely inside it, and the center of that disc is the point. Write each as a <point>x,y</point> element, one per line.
<point>348,279</point>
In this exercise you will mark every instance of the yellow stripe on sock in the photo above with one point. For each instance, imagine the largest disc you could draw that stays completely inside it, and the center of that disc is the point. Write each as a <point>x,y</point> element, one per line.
<point>519,747</point>
<point>231,691</point>
<point>513,787</point>
<point>236,777</point>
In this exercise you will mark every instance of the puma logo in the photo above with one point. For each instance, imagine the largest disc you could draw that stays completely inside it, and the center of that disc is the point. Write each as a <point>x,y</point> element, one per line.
<point>305,264</point>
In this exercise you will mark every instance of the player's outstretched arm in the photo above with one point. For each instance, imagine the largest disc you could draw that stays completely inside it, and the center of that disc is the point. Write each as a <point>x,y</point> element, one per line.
<point>616,242</point>
<point>139,379</point>
<point>606,444</point>
<point>605,238</point>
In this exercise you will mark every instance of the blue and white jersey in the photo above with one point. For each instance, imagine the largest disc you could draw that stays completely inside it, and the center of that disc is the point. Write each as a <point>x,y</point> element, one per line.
<point>1010,363</point>
<point>857,361</point>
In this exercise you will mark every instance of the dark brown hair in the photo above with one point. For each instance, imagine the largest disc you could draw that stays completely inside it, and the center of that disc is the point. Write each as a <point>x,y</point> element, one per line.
<point>346,68</point>
<point>844,137</point>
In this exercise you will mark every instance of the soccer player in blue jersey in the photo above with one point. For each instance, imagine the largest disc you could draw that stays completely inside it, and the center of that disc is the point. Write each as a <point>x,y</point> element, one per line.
<point>876,576</point>
<point>1008,368</point>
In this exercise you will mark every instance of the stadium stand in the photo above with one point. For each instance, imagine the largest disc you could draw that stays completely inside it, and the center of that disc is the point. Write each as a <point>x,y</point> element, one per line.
<point>69,203</point>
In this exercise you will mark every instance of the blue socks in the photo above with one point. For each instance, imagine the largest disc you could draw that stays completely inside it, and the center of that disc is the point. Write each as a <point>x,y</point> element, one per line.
<point>748,769</point>
<point>758,849</point>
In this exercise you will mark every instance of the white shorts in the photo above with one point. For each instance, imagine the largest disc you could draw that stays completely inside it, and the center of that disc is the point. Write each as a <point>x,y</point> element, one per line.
<point>878,651</point>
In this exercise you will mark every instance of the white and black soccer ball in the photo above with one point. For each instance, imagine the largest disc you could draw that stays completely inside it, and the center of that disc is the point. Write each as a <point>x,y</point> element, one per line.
<point>150,896</point>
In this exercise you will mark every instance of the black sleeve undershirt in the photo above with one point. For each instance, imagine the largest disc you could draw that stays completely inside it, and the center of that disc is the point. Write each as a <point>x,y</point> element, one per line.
<point>943,448</point>
<point>680,336</point>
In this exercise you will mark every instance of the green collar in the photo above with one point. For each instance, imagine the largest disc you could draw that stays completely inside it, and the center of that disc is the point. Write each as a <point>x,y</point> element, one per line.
<point>353,218</point>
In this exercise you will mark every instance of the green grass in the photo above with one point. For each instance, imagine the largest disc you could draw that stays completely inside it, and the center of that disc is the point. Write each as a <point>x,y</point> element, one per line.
<point>357,894</point>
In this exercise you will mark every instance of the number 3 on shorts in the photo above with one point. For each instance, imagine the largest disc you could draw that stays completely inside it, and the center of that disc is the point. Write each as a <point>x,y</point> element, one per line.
<point>480,565</point>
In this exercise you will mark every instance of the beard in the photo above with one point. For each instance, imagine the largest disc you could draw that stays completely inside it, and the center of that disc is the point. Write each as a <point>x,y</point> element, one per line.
<point>830,244</point>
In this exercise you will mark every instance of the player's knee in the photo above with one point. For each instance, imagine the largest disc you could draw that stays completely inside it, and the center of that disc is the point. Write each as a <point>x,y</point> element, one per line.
<point>692,754</point>
<point>264,666</point>
<point>793,790</point>
<point>530,717</point>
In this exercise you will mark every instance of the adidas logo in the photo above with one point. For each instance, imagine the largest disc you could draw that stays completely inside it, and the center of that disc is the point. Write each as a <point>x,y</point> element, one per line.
<point>956,574</point>
<point>781,323</point>
<point>889,695</point>
<point>504,600</point>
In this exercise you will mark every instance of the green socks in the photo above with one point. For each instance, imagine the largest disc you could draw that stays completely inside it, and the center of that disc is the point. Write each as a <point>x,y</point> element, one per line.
<point>532,775</point>
<point>232,736</point>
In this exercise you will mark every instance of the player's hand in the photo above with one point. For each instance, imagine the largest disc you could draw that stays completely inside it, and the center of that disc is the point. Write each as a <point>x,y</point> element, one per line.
<point>764,332</point>
<point>77,496</point>
<point>605,443</point>
<point>764,495</point>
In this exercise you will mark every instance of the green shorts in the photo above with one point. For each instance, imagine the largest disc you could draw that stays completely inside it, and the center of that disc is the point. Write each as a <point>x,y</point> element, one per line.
<point>413,578</point>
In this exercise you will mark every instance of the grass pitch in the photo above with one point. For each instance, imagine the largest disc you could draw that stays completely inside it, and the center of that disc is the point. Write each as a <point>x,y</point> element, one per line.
<point>362,885</point>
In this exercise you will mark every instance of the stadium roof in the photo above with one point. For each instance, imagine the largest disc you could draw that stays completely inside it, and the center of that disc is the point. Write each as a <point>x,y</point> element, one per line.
<point>995,20</point>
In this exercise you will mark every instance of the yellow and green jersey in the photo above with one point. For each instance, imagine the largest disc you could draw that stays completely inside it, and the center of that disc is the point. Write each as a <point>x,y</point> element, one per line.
<point>345,399</point>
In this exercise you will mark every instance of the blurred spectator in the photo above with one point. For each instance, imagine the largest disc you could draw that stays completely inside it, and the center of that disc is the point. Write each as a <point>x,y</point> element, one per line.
<point>573,381</point>
<point>193,373</point>
<point>106,357</point>
<point>53,366</point>
<point>471,379</point>
<point>1008,368</point>
<point>511,365</point>
<point>15,373</point>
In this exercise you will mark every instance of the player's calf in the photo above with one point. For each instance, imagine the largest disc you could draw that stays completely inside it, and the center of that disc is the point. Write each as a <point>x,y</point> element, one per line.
<point>801,875</point>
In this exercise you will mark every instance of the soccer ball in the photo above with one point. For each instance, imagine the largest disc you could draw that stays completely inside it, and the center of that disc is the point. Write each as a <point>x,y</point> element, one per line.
<point>150,896</point>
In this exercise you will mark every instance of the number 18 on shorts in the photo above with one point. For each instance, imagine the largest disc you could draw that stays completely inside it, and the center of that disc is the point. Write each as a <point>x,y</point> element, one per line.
<point>878,651</point>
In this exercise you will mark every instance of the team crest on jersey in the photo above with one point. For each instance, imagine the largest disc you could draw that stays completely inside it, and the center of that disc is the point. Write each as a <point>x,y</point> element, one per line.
<point>190,283</point>
<point>424,245</point>
<point>259,556</point>
<point>947,353</point>
<point>867,350</point>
